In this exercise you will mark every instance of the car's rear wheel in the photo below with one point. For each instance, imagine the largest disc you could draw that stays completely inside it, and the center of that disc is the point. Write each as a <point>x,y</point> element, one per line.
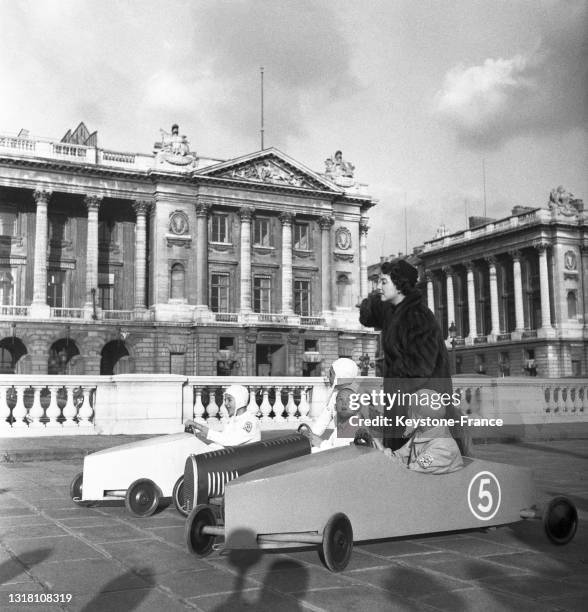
<point>337,545</point>
<point>179,498</point>
<point>199,543</point>
<point>142,497</point>
<point>560,520</point>
<point>76,487</point>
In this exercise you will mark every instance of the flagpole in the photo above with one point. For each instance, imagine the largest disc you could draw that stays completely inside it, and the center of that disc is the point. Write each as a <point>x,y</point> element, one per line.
<point>262,129</point>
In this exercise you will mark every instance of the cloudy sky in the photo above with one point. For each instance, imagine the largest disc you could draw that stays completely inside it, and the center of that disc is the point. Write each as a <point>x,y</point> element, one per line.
<point>418,95</point>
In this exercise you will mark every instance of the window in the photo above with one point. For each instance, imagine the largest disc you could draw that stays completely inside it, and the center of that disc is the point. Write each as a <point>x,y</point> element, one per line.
<point>57,228</point>
<point>226,343</point>
<point>177,282</point>
<point>219,228</point>
<point>106,232</point>
<point>311,344</point>
<point>6,288</point>
<point>572,305</point>
<point>7,222</point>
<point>106,297</point>
<point>301,236</point>
<point>262,232</point>
<point>302,297</point>
<point>262,286</point>
<point>219,292</point>
<point>55,288</point>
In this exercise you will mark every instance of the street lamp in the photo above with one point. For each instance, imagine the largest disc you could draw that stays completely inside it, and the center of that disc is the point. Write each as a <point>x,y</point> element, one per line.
<point>452,336</point>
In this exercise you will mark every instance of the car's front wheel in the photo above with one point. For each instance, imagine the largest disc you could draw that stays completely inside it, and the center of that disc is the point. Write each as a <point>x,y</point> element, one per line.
<point>337,545</point>
<point>198,542</point>
<point>76,487</point>
<point>142,498</point>
<point>179,498</point>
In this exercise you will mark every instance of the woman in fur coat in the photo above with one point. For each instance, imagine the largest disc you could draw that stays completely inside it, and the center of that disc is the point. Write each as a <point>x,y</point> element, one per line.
<point>415,355</point>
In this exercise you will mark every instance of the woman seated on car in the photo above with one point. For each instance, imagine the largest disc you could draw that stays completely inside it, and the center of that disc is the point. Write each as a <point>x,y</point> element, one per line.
<point>431,448</point>
<point>336,415</point>
<point>242,425</point>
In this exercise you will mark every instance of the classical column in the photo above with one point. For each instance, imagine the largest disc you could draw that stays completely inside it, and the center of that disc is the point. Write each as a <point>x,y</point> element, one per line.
<point>544,286</point>
<point>42,197</point>
<point>430,292</point>
<point>518,291</point>
<point>202,209</point>
<point>363,265</point>
<point>450,297</point>
<point>286,219</point>
<point>494,312</point>
<point>92,203</point>
<point>141,208</point>
<point>471,301</point>
<point>245,212</point>
<point>325,224</point>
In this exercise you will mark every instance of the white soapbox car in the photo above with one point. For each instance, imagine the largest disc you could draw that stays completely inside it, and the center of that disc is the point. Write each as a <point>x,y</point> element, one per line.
<point>142,473</point>
<point>354,493</point>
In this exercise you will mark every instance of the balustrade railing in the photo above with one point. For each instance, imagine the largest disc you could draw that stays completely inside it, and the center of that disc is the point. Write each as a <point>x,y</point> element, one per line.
<point>14,311</point>
<point>278,402</point>
<point>118,315</point>
<point>139,403</point>
<point>67,313</point>
<point>52,408</point>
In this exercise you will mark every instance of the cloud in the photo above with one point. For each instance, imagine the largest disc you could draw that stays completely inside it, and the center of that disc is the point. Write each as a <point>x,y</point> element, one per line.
<point>306,58</point>
<point>540,91</point>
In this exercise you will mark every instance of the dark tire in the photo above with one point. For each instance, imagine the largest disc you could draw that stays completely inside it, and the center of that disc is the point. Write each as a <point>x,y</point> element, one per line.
<point>198,543</point>
<point>560,520</point>
<point>142,497</point>
<point>179,498</point>
<point>337,545</point>
<point>76,487</point>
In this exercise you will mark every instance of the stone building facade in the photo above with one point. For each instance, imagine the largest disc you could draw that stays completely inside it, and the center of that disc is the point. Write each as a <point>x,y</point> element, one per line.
<point>116,262</point>
<point>512,292</point>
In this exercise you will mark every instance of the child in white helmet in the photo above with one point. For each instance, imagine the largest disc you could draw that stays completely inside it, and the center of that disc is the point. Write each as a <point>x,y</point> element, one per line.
<point>337,413</point>
<point>242,426</point>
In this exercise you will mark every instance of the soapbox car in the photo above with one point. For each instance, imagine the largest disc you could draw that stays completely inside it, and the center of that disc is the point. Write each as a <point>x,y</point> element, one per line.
<point>355,493</point>
<point>141,473</point>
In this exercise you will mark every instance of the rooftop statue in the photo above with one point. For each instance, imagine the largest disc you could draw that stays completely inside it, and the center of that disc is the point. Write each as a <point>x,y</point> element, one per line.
<point>174,148</point>
<point>337,166</point>
<point>562,201</point>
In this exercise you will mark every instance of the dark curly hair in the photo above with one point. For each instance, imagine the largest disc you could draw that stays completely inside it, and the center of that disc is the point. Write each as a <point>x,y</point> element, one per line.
<point>402,274</point>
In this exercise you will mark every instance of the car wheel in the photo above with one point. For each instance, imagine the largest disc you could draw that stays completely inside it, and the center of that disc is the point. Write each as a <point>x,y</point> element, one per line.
<point>337,545</point>
<point>179,497</point>
<point>142,497</point>
<point>560,520</point>
<point>200,543</point>
<point>75,488</point>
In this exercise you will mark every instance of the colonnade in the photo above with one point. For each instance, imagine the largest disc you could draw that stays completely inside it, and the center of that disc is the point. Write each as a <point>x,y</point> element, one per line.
<point>450,272</point>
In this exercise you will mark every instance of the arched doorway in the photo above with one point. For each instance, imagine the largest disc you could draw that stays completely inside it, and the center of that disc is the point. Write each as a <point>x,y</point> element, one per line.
<point>11,350</point>
<point>60,355</point>
<point>115,359</point>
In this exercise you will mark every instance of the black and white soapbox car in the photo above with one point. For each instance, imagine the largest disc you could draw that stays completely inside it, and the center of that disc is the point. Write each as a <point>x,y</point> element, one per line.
<point>354,493</point>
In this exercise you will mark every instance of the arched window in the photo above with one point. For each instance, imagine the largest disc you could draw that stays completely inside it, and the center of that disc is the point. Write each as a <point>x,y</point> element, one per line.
<point>177,282</point>
<point>572,305</point>
<point>6,288</point>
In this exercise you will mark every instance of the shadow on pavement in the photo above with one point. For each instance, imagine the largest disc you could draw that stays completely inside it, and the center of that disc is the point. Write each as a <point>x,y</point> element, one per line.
<point>132,597</point>
<point>14,567</point>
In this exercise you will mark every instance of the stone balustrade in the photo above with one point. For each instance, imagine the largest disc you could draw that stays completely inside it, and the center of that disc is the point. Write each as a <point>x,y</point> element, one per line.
<point>160,403</point>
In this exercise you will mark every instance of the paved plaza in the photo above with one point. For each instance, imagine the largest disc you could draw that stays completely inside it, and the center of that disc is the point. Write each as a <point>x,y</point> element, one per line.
<point>110,561</point>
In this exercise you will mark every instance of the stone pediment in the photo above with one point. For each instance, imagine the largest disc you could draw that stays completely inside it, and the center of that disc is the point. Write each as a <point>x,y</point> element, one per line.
<point>269,167</point>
